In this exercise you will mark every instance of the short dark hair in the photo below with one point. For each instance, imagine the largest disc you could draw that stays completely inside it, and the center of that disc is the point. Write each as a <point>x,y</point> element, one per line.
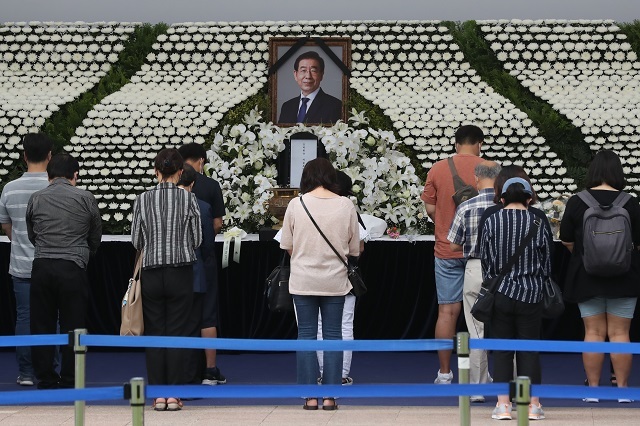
<point>62,166</point>
<point>606,168</point>
<point>516,193</point>
<point>192,151</point>
<point>318,172</point>
<point>309,55</point>
<point>188,175</point>
<point>168,162</point>
<point>469,135</point>
<point>508,172</point>
<point>37,147</point>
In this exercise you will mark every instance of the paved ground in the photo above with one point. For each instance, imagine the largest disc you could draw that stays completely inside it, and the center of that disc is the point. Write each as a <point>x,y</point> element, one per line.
<point>291,415</point>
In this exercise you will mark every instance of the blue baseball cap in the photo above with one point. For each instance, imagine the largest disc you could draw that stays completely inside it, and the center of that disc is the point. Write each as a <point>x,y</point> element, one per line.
<point>511,181</point>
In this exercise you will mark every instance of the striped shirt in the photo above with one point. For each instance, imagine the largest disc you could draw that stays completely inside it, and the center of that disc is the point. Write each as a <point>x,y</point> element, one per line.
<point>502,234</point>
<point>166,226</point>
<point>64,223</point>
<point>464,228</point>
<point>13,208</point>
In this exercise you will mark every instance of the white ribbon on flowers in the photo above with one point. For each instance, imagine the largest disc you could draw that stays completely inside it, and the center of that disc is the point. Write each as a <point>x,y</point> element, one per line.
<point>236,234</point>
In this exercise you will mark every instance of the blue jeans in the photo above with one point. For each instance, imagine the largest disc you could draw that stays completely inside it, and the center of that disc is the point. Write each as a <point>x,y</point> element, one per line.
<point>307,308</point>
<point>22,288</point>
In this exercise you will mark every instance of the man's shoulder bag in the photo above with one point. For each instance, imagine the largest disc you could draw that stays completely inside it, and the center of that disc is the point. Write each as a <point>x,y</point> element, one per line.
<point>463,191</point>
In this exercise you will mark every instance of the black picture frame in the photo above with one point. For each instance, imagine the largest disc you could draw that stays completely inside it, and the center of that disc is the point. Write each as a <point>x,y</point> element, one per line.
<point>335,82</point>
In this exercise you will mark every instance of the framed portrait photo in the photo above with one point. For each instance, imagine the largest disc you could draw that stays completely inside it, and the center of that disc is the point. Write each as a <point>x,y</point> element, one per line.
<point>310,85</point>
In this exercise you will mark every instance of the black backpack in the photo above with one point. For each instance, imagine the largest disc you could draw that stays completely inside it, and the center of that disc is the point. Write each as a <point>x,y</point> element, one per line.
<point>607,238</point>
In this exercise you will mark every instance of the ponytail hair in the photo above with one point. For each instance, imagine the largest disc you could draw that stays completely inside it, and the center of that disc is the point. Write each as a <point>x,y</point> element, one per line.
<point>168,162</point>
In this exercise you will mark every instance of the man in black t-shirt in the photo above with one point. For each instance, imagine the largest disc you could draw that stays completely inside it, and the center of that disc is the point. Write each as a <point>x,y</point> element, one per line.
<point>209,191</point>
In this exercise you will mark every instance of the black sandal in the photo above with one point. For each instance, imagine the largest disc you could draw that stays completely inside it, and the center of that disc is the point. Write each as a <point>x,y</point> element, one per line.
<point>329,407</point>
<point>306,405</point>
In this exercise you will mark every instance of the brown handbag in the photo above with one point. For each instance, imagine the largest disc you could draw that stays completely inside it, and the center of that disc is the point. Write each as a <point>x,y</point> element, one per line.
<point>132,317</point>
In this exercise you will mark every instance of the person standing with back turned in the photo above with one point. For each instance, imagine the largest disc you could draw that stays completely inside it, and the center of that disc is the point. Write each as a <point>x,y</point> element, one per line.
<point>64,225</point>
<point>13,205</point>
<point>607,301</point>
<point>449,265</point>
<point>208,190</point>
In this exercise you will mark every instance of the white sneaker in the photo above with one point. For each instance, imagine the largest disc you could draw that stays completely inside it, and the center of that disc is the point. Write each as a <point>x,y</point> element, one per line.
<point>476,398</point>
<point>536,412</point>
<point>502,412</point>
<point>592,400</point>
<point>444,379</point>
<point>625,400</point>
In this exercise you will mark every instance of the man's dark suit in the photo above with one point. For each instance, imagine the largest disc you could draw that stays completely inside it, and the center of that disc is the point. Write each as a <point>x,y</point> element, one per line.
<point>324,109</point>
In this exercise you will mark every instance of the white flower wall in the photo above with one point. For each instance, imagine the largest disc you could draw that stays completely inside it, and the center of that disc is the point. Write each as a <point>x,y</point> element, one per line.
<point>44,65</point>
<point>195,73</point>
<point>586,70</point>
<point>198,71</point>
<point>418,76</point>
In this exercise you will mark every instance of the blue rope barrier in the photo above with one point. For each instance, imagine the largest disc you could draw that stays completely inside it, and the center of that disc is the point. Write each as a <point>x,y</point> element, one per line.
<point>314,345</point>
<point>301,391</point>
<point>61,395</point>
<point>554,346</point>
<point>265,345</point>
<point>34,340</point>
<point>578,392</point>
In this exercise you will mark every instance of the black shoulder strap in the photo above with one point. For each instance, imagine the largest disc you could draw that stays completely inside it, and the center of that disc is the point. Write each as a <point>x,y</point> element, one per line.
<point>458,183</point>
<point>322,233</point>
<point>588,199</point>
<point>533,230</point>
<point>621,199</point>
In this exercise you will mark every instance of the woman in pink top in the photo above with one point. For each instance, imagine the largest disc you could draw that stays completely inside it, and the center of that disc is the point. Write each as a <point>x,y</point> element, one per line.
<point>318,280</point>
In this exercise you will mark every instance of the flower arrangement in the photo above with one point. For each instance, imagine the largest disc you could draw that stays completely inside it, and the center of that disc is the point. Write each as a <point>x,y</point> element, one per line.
<point>242,158</point>
<point>554,209</point>
<point>393,232</point>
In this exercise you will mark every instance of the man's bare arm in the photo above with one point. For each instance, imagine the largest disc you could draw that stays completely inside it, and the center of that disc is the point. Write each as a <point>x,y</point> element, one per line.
<point>6,227</point>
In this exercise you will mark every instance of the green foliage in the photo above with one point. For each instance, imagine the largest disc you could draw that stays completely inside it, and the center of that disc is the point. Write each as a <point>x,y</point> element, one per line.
<point>563,137</point>
<point>632,31</point>
<point>62,124</point>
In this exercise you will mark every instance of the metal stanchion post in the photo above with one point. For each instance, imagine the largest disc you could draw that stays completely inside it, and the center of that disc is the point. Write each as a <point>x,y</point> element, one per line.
<point>523,399</point>
<point>462,348</point>
<point>136,398</point>
<point>80,354</point>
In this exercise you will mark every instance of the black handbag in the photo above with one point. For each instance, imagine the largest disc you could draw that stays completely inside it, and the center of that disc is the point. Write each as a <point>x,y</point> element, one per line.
<point>277,287</point>
<point>552,303</point>
<point>358,286</point>
<point>482,309</point>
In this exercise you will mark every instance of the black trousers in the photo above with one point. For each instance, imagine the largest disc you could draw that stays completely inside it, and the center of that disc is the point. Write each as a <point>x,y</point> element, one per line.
<point>516,320</point>
<point>196,362</point>
<point>167,295</point>
<point>59,291</point>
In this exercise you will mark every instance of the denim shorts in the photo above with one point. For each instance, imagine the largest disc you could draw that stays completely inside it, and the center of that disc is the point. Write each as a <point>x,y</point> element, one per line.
<point>622,307</point>
<point>449,280</point>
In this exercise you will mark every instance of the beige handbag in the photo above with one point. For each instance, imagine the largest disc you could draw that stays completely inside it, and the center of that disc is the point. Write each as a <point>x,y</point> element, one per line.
<point>132,318</point>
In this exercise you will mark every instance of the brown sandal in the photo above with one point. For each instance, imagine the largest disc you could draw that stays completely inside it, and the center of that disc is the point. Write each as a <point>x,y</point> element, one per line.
<point>307,406</point>
<point>329,407</point>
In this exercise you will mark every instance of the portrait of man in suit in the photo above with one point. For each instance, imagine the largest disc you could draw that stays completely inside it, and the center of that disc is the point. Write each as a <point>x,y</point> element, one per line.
<point>312,105</point>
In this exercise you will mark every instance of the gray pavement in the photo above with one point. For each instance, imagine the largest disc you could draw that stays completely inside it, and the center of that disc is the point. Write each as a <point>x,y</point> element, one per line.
<point>294,415</point>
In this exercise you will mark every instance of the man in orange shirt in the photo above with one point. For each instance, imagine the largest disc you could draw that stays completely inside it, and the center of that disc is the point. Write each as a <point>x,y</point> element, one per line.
<point>449,265</point>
